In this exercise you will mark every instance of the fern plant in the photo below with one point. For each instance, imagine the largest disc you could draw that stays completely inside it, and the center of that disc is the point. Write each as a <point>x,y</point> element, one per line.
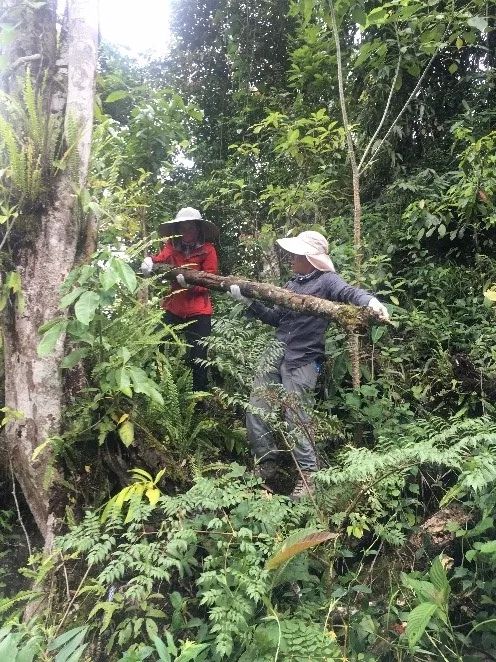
<point>204,554</point>
<point>30,144</point>
<point>364,486</point>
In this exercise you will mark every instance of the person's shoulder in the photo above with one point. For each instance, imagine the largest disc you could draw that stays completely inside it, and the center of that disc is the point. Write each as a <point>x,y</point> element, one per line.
<point>167,247</point>
<point>209,247</point>
<point>330,280</point>
<point>330,276</point>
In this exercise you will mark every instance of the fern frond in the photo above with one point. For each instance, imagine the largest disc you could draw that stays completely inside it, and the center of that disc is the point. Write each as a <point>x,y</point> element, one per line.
<point>29,143</point>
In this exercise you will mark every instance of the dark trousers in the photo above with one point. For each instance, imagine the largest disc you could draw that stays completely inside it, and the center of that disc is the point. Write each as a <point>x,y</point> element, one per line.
<point>199,327</point>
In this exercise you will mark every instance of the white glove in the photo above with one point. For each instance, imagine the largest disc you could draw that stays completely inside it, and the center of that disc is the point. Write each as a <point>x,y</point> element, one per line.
<point>378,308</point>
<point>235,293</point>
<point>181,280</point>
<point>147,266</point>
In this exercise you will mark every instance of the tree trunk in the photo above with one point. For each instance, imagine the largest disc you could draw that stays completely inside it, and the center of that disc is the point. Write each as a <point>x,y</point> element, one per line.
<point>348,316</point>
<point>43,258</point>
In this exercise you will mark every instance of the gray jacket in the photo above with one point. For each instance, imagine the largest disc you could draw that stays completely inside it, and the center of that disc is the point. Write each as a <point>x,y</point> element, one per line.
<point>303,335</point>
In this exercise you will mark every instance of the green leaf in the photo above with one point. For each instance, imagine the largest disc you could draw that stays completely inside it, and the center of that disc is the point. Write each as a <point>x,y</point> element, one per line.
<point>437,575</point>
<point>126,433</point>
<point>45,444</point>
<point>417,620</point>
<point>151,628</point>
<point>8,646</point>
<point>149,389</point>
<point>162,651</point>
<point>142,384</point>
<point>376,16</point>
<point>307,8</point>
<point>125,273</point>
<point>170,643</point>
<point>108,608</point>
<point>29,650</point>
<point>478,22</point>
<point>453,68</point>
<point>153,495</point>
<point>471,554</point>
<point>116,95</point>
<point>69,298</point>
<point>377,332</point>
<point>425,591</point>
<point>86,306</point>
<point>74,357</point>
<point>13,281</point>
<point>64,638</point>
<point>190,651</point>
<point>73,651</point>
<point>140,474</point>
<point>359,15</point>
<point>488,547</point>
<point>80,332</point>
<point>108,277</point>
<point>124,382</point>
<point>50,338</point>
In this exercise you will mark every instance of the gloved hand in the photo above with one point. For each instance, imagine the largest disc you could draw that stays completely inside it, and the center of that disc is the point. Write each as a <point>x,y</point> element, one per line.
<point>378,308</point>
<point>147,266</point>
<point>235,293</point>
<point>181,280</point>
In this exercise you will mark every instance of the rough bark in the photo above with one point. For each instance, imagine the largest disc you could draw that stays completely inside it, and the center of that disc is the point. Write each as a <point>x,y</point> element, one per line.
<point>348,316</point>
<point>33,385</point>
<point>35,42</point>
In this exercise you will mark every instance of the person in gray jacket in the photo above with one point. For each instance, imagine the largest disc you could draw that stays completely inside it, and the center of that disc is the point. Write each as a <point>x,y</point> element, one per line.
<point>302,339</point>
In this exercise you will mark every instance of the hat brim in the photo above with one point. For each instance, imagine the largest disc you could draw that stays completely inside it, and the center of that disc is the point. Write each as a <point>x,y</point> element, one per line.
<point>170,228</point>
<point>320,261</point>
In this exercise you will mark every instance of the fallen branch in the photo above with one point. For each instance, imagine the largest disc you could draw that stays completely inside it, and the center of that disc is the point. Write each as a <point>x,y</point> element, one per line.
<point>348,316</point>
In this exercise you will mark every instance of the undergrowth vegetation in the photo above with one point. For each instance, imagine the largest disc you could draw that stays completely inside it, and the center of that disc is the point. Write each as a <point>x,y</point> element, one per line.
<point>169,548</point>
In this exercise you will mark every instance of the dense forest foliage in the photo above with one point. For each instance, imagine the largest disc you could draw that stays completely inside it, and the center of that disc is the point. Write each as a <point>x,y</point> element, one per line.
<point>370,122</point>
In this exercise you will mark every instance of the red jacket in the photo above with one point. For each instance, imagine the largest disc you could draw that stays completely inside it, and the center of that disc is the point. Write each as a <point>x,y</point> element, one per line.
<point>194,300</point>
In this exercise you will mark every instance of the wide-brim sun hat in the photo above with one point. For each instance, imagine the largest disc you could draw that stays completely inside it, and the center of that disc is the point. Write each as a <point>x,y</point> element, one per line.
<point>313,246</point>
<point>171,228</point>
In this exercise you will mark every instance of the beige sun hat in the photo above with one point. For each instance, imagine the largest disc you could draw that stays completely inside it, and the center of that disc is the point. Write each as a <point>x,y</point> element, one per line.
<point>170,228</point>
<point>313,246</point>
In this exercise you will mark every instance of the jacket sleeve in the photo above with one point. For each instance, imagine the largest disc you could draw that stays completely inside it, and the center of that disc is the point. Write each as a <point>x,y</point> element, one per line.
<point>165,255</point>
<point>337,289</point>
<point>265,314</point>
<point>210,263</point>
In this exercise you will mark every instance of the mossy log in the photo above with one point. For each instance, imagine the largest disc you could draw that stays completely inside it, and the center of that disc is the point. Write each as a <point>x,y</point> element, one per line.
<point>348,316</point>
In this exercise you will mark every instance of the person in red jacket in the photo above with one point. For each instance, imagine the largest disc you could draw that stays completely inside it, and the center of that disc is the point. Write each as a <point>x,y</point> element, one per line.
<point>190,243</point>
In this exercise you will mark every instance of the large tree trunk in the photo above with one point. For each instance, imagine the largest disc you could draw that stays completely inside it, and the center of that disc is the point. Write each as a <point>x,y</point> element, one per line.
<point>347,316</point>
<point>33,385</point>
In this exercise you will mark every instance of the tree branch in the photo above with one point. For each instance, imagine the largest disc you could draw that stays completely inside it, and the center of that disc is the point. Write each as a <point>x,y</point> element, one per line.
<point>384,115</point>
<point>24,60</point>
<point>348,316</point>
<point>402,111</point>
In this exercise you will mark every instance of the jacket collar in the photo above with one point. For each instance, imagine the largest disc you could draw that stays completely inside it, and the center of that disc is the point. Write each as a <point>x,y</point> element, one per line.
<point>189,249</point>
<point>303,278</point>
